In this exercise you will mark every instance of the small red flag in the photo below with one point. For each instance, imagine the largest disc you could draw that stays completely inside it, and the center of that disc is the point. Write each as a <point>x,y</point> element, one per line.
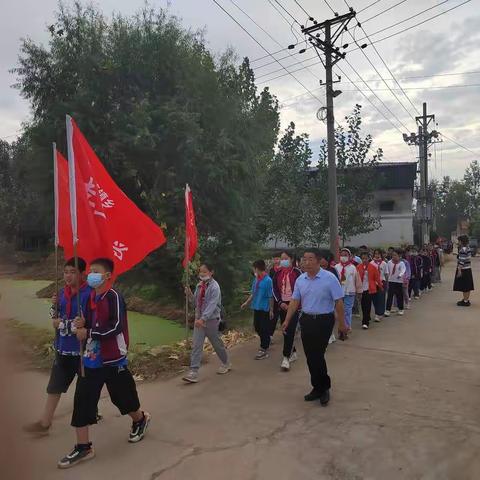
<point>191,235</point>
<point>105,222</point>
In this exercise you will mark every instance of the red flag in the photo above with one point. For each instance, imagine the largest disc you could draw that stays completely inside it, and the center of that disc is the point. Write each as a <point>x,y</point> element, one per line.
<point>191,236</point>
<point>105,222</point>
<point>62,207</point>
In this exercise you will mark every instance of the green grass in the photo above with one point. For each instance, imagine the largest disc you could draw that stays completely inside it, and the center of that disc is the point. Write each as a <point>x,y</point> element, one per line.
<point>151,331</point>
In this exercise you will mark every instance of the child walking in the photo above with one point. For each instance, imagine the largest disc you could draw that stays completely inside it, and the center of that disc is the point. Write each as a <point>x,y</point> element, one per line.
<point>67,348</point>
<point>371,284</point>
<point>261,300</point>
<point>463,278</point>
<point>208,302</point>
<point>105,331</point>
<point>379,298</point>
<point>406,279</point>
<point>351,284</point>
<point>396,274</point>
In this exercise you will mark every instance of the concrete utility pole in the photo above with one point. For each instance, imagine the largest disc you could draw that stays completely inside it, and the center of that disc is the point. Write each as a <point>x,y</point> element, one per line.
<point>332,56</point>
<point>423,140</point>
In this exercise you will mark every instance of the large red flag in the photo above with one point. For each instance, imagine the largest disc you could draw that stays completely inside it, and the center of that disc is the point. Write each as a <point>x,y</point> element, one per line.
<point>191,236</point>
<point>62,207</point>
<point>105,222</point>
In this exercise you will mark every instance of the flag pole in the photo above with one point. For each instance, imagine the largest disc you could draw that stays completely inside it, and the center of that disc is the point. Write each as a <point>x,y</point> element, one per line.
<point>73,214</point>
<point>55,190</point>
<point>187,274</point>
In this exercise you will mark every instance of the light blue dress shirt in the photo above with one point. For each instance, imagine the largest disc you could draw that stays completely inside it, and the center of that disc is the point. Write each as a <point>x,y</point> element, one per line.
<point>319,294</point>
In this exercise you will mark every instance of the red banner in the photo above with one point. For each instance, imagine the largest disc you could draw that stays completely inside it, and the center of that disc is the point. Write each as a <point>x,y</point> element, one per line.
<point>108,224</point>
<point>191,235</point>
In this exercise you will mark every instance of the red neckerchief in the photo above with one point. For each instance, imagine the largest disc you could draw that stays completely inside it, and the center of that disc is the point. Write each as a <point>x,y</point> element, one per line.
<point>342,273</point>
<point>363,270</point>
<point>285,273</point>
<point>201,297</point>
<point>394,267</point>
<point>69,293</point>
<point>260,277</point>
<point>378,262</point>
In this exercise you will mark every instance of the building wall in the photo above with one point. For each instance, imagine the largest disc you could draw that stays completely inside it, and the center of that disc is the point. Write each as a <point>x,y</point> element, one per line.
<point>396,225</point>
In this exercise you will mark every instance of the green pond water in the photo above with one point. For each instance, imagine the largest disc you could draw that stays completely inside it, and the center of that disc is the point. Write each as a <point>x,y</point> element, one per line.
<point>19,301</point>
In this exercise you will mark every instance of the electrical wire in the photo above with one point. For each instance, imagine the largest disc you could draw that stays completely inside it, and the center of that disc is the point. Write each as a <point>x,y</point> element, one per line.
<point>460,145</point>
<point>383,11</point>
<point>368,6</point>
<point>264,49</point>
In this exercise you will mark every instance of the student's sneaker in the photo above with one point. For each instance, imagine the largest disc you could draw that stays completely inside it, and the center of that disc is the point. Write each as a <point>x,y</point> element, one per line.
<point>293,357</point>
<point>312,396</point>
<point>365,326</point>
<point>463,303</point>
<point>191,377</point>
<point>37,428</point>
<point>401,312</point>
<point>387,313</point>
<point>285,366</point>
<point>332,339</point>
<point>325,398</point>
<point>139,428</point>
<point>377,319</point>
<point>408,306</point>
<point>261,355</point>
<point>416,297</point>
<point>223,369</point>
<point>80,453</point>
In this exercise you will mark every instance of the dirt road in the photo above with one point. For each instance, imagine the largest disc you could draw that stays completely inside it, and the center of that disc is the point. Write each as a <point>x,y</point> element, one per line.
<point>405,405</point>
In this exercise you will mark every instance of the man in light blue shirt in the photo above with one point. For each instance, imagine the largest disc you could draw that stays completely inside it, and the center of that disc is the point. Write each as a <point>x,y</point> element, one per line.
<point>321,298</point>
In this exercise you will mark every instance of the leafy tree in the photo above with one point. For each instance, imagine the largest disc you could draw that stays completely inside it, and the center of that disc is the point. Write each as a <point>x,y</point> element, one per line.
<point>356,180</point>
<point>286,201</point>
<point>472,187</point>
<point>160,110</point>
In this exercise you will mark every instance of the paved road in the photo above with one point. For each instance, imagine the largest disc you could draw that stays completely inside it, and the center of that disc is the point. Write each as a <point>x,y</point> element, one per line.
<point>405,405</point>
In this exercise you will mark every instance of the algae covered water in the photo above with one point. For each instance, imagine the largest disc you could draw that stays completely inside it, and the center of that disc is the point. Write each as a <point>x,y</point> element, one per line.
<point>19,301</point>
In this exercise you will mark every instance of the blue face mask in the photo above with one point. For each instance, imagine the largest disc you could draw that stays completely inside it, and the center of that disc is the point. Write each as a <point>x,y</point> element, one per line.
<point>94,280</point>
<point>285,263</point>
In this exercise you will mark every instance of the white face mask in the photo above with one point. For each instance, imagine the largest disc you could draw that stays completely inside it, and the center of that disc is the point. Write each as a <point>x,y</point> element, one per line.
<point>344,259</point>
<point>204,278</point>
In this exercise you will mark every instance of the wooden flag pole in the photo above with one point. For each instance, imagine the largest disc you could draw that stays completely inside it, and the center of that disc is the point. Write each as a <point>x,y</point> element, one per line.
<point>55,190</point>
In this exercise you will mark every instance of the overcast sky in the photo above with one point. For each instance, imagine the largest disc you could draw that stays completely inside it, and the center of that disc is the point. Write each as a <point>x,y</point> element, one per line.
<point>443,52</point>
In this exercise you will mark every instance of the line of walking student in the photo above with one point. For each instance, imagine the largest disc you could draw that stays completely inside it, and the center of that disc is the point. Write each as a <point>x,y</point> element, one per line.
<point>309,294</point>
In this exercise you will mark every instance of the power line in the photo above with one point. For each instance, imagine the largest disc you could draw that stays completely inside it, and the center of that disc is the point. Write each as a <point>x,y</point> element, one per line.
<point>368,6</point>
<point>384,11</point>
<point>460,145</point>
<point>263,48</point>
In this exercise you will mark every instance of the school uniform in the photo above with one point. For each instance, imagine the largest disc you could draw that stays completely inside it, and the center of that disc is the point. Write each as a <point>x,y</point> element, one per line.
<point>351,285</point>
<point>416,269</point>
<point>283,287</point>
<point>380,297</point>
<point>105,360</point>
<point>396,274</point>
<point>262,293</point>
<point>426,283</point>
<point>66,364</point>
<point>371,284</point>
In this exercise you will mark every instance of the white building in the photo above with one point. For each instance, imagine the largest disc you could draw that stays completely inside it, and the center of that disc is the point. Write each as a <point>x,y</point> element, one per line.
<point>394,205</point>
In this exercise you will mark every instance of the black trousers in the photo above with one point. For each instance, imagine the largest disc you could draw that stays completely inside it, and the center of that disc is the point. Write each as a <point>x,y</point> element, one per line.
<point>316,331</point>
<point>395,289</point>
<point>261,322</point>
<point>289,335</point>
<point>414,285</point>
<point>426,281</point>
<point>367,300</point>
<point>274,320</point>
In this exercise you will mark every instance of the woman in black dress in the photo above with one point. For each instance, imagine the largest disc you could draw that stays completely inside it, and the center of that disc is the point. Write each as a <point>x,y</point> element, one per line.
<point>464,279</point>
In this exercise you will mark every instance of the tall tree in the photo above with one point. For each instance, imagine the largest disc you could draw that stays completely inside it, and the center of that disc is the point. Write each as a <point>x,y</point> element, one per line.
<point>161,111</point>
<point>356,179</point>
<point>286,203</point>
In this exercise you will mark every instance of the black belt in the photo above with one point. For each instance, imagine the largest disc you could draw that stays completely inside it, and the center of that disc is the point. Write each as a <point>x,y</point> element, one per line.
<point>317,316</point>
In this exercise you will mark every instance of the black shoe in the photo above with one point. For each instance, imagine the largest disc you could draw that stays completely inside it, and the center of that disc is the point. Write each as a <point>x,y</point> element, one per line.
<point>325,398</point>
<point>463,303</point>
<point>79,454</point>
<point>139,429</point>
<point>312,396</point>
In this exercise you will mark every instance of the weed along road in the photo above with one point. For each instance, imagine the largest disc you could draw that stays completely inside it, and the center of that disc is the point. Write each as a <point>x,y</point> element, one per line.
<point>405,400</point>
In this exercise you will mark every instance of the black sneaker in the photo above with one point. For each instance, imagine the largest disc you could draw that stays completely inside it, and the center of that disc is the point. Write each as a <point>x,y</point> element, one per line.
<point>139,429</point>
<point>79,454</point>
<point>325,398</point>
<point>312,396</point>
<point>463,303</point>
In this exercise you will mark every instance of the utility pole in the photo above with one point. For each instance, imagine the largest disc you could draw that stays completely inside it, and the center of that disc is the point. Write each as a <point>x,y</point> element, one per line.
<point>332,56</point>
<point>423,140</point>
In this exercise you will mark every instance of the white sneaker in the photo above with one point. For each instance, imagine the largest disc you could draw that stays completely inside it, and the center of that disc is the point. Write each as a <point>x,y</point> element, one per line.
<point>401,312</point>
<point>408,306</point>
<point>365,327</point>
<point>293,357</point>
<point>377,318</point>
<point>332,339</point>
<point>261,355</point>
<point>387,313</point>
<point>285,366</point>
<point>223,369</point>
<point>191,377</point>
